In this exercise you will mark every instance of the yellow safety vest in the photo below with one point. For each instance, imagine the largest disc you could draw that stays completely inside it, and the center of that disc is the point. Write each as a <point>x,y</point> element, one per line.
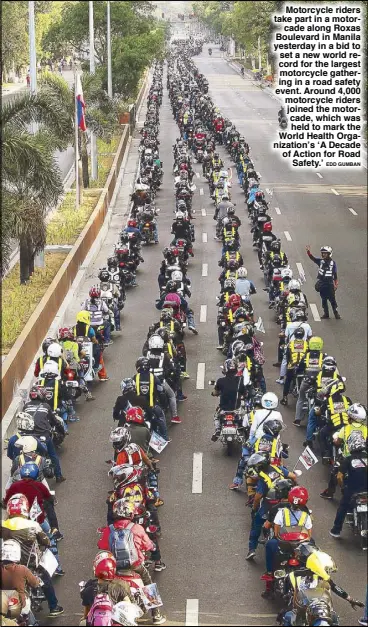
<point>268,481</point>
<point>230,316</point>
<point>297,349</point>
<point>229,272</point>
<point>348,430</point>
<point>169,348</point>
<point>287,519</point>
<point>22,460</point>
<point>87,329</point>
<point>321,380</point>
<point>56,392</point>
<point>295,581</point>
<point>227,256</point>
<point>251,416</point>
<point>151,387</point>
<point>281,255</point>
<point>60,363</point>
<point>172,326</point>
<point>227,296</point>
<point>314,365</point>
<point>273,452</point>
<point>338,412</point>
<point>227,235</point>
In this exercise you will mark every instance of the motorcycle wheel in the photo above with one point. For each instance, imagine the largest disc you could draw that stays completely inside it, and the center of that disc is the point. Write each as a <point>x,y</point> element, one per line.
<point>229,447</point>
<point>363,526</point>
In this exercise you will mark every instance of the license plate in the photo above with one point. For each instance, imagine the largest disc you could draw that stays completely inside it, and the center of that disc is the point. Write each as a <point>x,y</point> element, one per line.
<point>72,384</point>
<point>362,508</point>
<point>229,431</point>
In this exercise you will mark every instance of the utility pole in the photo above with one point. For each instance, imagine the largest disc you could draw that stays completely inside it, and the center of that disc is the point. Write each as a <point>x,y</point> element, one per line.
<point>109,74</point>
<point>92,70</point>
<point>259,54</point>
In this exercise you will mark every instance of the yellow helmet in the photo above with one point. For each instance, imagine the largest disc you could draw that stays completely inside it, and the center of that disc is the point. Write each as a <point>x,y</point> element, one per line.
<point>84,316</point>
<point>321,564</point>
<point>315,343</point>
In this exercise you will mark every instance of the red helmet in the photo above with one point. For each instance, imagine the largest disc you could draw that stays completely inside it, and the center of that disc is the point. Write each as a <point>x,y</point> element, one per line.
<point>94,292</point>
<point>298,496</point>
<point>175,251</point>
<point>63,333</point>
<point>135,414</point>
<point>267,226</point>
<point>104,565</point>
<point>18,506</point>
<point>183,166</point>
<point>38,393</point>
<point>132,223</point>
<point>235,300</point>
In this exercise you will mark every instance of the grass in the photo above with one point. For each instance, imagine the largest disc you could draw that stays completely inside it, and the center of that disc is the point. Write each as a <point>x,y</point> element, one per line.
<point>67,223</point>
<point>20,301</point>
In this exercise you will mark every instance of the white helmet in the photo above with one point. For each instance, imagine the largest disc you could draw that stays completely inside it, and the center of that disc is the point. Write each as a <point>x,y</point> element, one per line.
<point>177,275</point>
<point>242,273</point>
<point>54,350</point>
<point>286,273</point>
<point>11,551</point>
<point>25,422</point>
<point>156,342</point>
<point>27,443</point>
<point>358,413</point>
<point>179,214</point>
<point>326,249</point>
<point>225,221</point>
<point>50,367</point>
<point>294,285</point>
<point>269,400</point>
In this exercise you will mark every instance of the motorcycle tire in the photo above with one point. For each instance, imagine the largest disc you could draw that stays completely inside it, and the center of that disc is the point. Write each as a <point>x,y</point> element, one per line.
<point>230,447</point>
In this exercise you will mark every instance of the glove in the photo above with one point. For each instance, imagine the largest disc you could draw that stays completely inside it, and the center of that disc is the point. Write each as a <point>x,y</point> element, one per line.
<point>355,604</point>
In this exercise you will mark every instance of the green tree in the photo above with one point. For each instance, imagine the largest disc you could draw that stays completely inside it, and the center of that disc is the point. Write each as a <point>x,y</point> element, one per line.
<point>14,31</point>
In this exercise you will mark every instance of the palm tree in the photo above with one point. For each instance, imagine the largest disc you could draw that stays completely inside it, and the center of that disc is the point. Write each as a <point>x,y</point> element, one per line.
<point>31,179</point>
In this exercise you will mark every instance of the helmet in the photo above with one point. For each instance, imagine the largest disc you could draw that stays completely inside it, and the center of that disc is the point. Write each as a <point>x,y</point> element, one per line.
<point>51,368</point>
<point>46,343</point>
<point>267,226</point>
<point>242,328</point>
<point>272,427</point>
<point>163,332</point>
<point>29,470</point>
<point>104,275</point>
<point>298,496</point>
<point>242,273</point>
<point>235,300</point>
<point>11,551</point>
<point>318,611</point>
<point>135,414</point>
<point>37,393</point>
<point>179,215</point>
<point>282,488</point>
<point>156,343</point>
<point>84,316</point>
<point>356,442</point>
<point>230,210</point>
<point>258,462</point>
<point>25,422</point>
<point>294,285</point>
<point>177,275</point>
<point>329,363</point>
<point>315,343</point>
<point>54,350</point>
<point>123,509</point>
<point>142,363</point>
<point>286,273</point>
<point>166,315</point>
<point>94,292</point>
<point>104,565</point>
<point>112,262</point>
<point>120,436</point>
<point>269,400</point>
<point>358,413</point>
<point>127,384</point>
<point>132,223</point>
<point>230,366</point>
<point>240,313</point>
<point>225,221</point>
<point>171,286</point>
<point>123,475</point>
<point>276,246</point>
<point>229,283</point>
<point>326,249</point>
<point>259,196</point>
<point>321,564</point>
<point>27,443</point>
<point>299,333</point>
<point>18,506</point>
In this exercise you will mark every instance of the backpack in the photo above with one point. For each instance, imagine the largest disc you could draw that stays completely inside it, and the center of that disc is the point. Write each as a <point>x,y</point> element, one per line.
<point>122,545</point>
<point>101,611</point>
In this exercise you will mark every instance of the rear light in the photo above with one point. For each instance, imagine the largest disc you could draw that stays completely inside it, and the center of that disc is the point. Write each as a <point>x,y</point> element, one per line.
<point>122,264</point>
<point>293,562</point>
<point>147,224</point>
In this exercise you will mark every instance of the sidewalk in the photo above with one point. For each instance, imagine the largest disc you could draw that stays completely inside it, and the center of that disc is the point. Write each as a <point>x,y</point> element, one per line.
<point>15,89</point>
<point>264,85</point>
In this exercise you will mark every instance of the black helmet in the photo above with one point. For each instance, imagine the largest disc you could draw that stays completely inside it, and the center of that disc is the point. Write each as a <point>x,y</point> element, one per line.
<point>104,275</point>
<point>299,333</point>
<point>230,366</point>
<point>258,462</point>
<point>46,343</point>
<point>241,312</point>
<point>112,262</point>
<point>272,427</point>
<point>142,364</point>
<point>163,332</point>
<point>171,286</point>
<point>283,487</point>
<point>329,363</point>
<point>276,245</point>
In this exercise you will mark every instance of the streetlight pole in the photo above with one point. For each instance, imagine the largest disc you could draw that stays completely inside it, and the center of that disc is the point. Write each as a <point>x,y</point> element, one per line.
<point>109,74</point>
<point>259,54</point>
<point>92,70</point>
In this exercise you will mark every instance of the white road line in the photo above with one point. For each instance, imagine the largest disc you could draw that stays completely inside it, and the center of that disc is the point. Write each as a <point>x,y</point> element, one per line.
<point>191,612</point>
<point>315,312</point>
<point>204,212</point>
<point>198,175</point>
<point>352,211</point>
<point>270,123</point>
<point>204,238</point>
<point>197,473</point>
<point>205,269</point>
<point>288,236</point>
<point>320,175</point>
<point>277,209</point>
<point>201,369</point>
<point>334,191</point>
<point>201,191</point>
<point>203,313</point>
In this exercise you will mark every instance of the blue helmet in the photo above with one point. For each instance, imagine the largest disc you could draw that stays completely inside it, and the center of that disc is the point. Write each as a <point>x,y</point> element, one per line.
<point>29,470</point>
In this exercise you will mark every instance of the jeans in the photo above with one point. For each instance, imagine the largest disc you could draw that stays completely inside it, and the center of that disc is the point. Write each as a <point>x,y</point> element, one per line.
<point>302,398</point>
<point>190,317</point>
<point>272,547</point>
<point>53,544</point>
<point>48,588</point>
<point>171,398</point>
<point>255,532</point>
<point>238,479</point>
<point>342,509</point>
<point>324,435</point>
<point>53,456</point>
<point>160,422</point>
<point>51,514</point>
<point>288,380</point>
<point>283,368</point>
<point>107,331</point>
<point>327,293</point>
<point>117,318</point>
<point>312,424</point>
<point>147,580</point>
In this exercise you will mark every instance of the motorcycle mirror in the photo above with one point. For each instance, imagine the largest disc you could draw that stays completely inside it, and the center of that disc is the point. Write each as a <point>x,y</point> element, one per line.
<point>344,379</point>
<point>158,210</point>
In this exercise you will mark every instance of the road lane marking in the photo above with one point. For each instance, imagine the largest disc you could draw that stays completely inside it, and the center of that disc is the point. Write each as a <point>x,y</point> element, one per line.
<point>315,312</point>
<point>300,268</point>
<point>205,269</point>
<point>197,473</point>
<point>203,313</point>
<point>201,191</point>
<point>191,613</point>
<point>204,238</point>
<point>288,236</point>
<point>277,209</point>
<point>204,212</point>
<point>320,175</point>
<point>197,175</point>
<point>270,123</point>
<point>201,369</point>
<point>352,211</point>
<point>334,191</point>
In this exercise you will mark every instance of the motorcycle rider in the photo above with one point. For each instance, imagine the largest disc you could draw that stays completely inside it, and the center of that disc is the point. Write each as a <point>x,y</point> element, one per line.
<point>163,367</point>
<point>327,373</point>
<point>58,394</point>
<point>269,404</point>
<point>335,405</point>
<point>221,210</point>
<point>16,576</point>
<point>310,365</point>
<point>326,279</point>
<point>56,355</point>
<point>298,321</point>
<point>83,328</point>
<point>151,387</point>
<point>230,389</point>
<point>295,351</point>
<point>99,310</point>
<point>244,286</point>
<point>171,291</point>
<point>180,228</point>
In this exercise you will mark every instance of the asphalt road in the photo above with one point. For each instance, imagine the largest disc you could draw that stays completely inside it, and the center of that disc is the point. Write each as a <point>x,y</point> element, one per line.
<point>205,535</point>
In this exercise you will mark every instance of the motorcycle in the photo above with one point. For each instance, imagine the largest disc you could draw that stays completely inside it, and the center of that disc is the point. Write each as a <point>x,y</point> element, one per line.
<point>357,519</point>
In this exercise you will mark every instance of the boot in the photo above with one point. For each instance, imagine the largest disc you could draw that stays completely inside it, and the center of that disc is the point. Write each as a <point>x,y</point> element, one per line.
<point>337,315</point>
<point>326,315</point>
